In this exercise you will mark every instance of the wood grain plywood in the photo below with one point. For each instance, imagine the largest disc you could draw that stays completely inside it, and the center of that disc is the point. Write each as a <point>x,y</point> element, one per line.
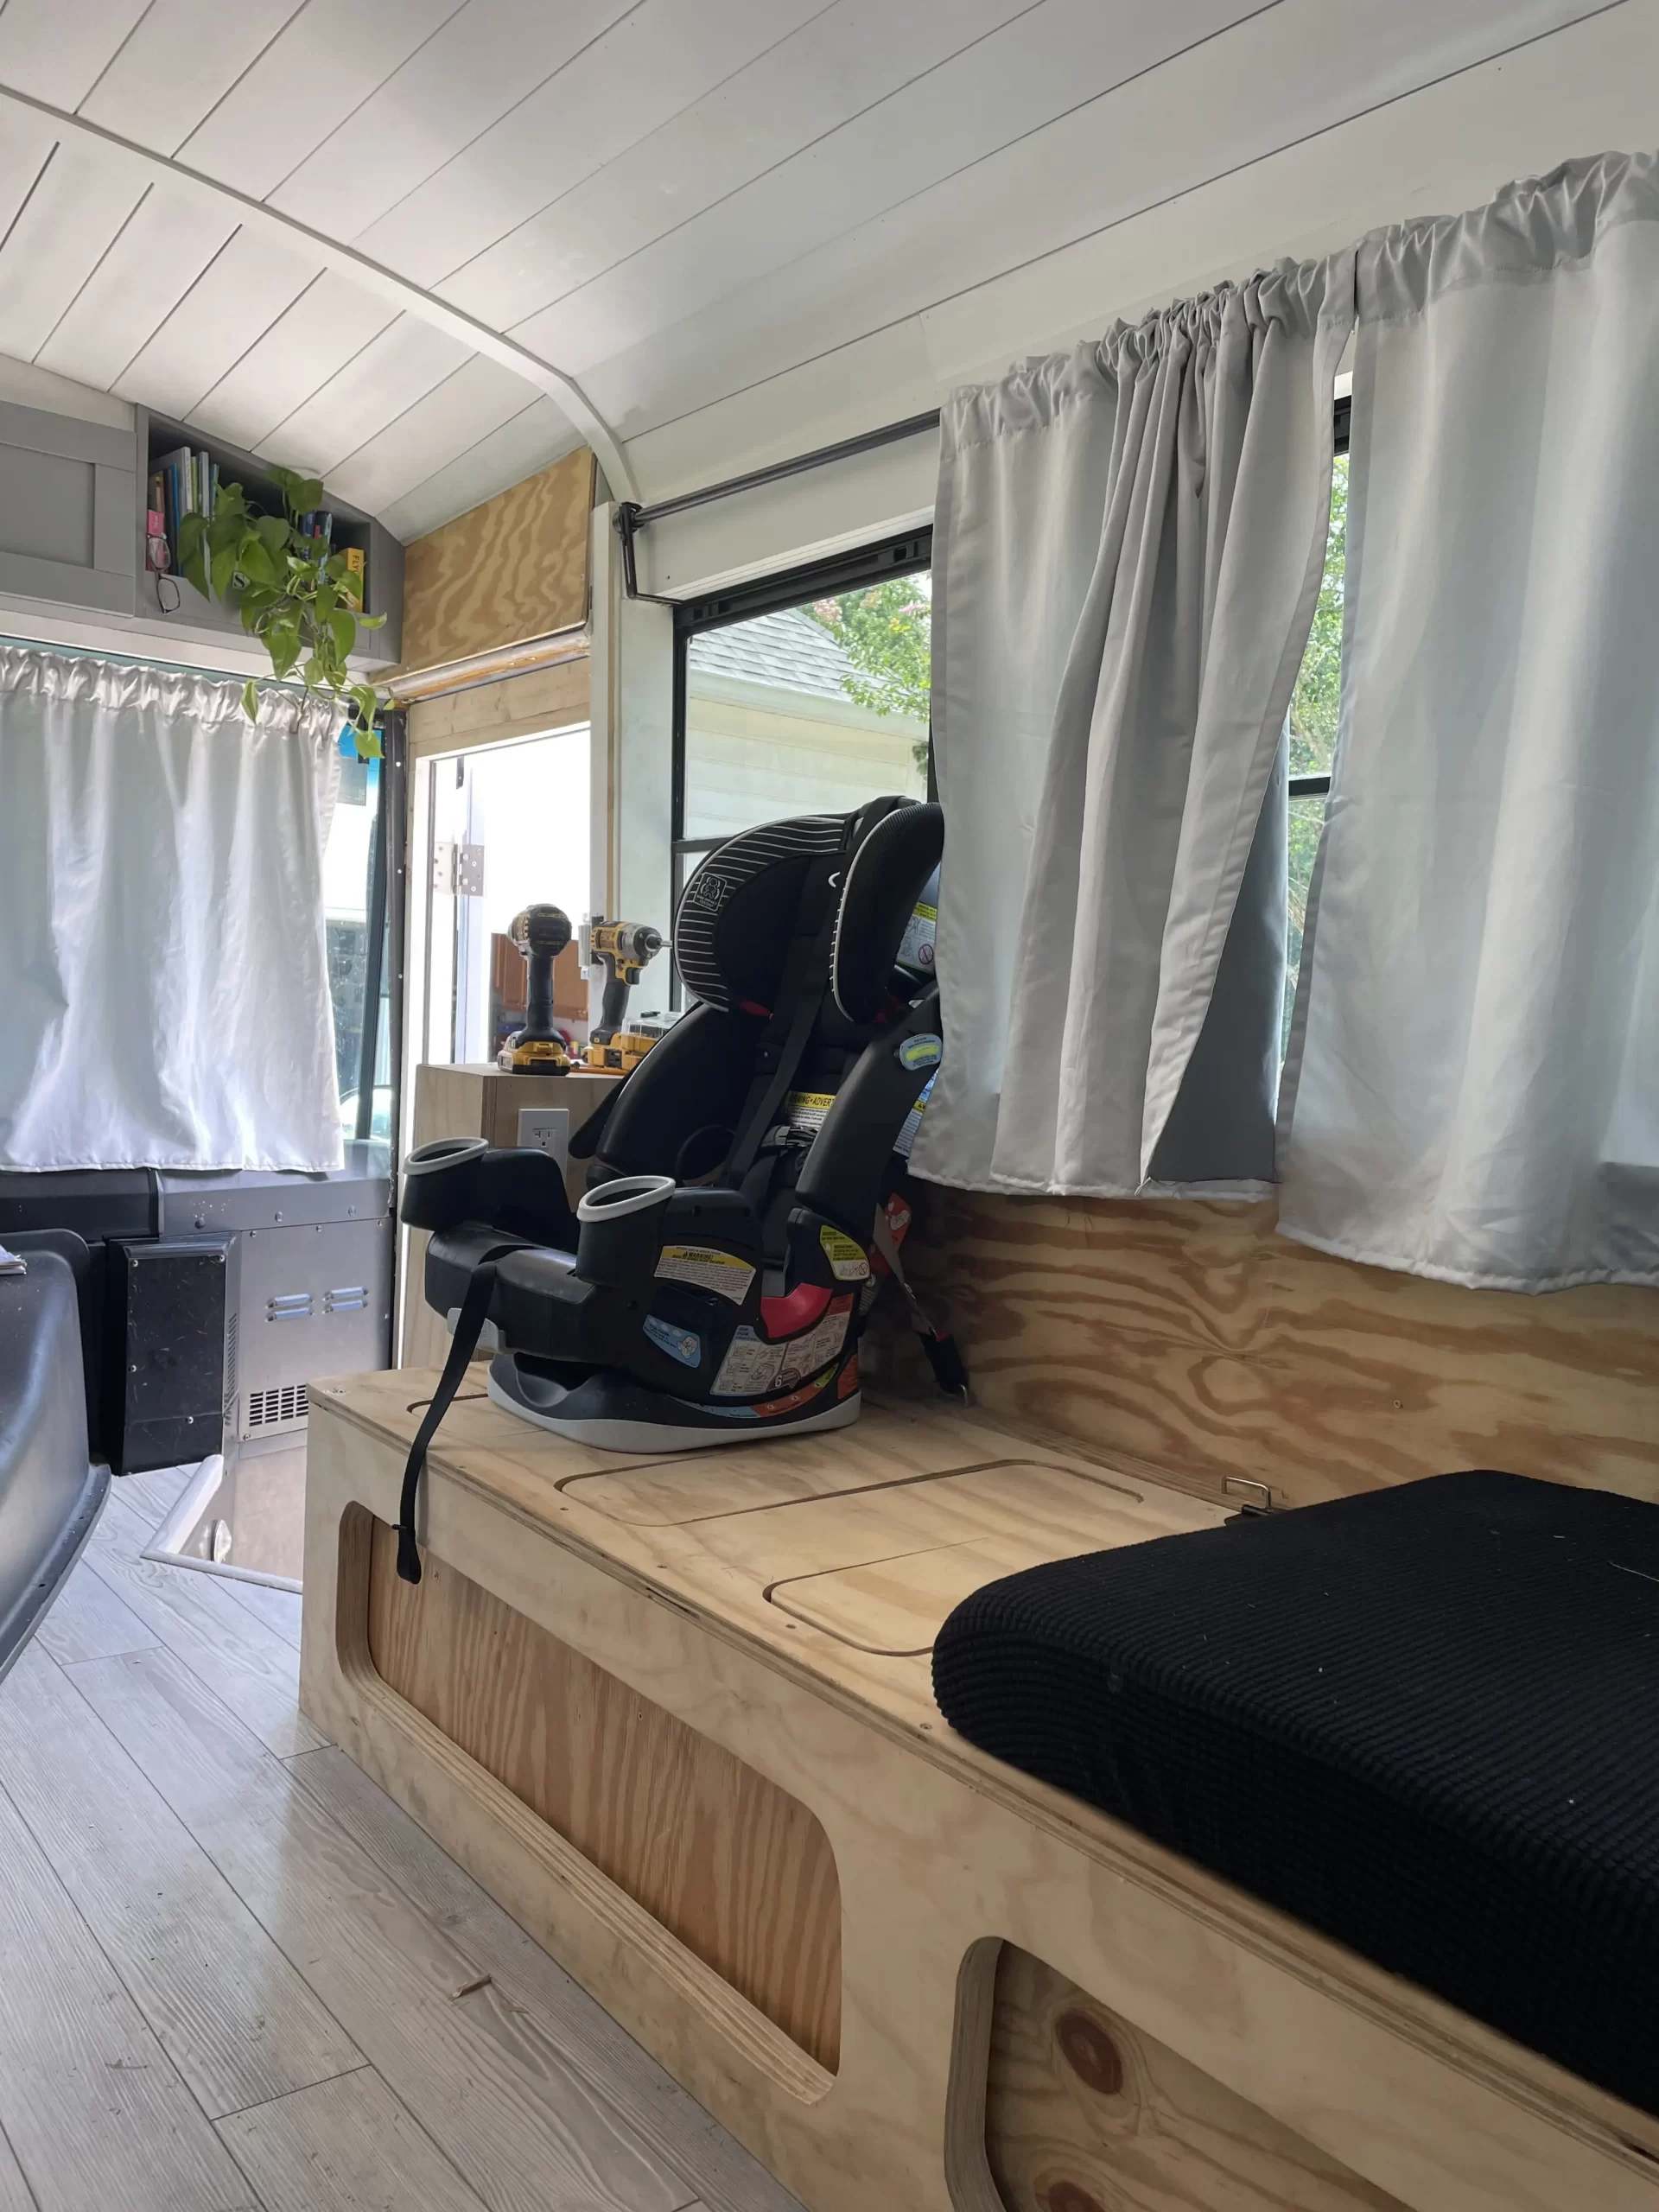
<point>1190,1338</point>
<point>513,568</point>
<point>739,1873</point>
<point>539,701</point>
<point>1085,2113</point>
<point>942,1854</point>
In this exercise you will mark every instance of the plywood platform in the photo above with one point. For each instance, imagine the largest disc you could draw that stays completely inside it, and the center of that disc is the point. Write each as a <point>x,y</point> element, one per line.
<point>676,1716</point>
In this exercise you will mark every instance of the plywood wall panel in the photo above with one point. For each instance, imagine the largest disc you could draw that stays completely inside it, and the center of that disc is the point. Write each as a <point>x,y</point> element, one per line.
<point>513,568</point>
<point>1192,1337</point>
<point>740,1871</point>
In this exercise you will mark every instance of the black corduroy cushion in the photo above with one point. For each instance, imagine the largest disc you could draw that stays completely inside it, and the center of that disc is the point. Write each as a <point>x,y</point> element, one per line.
<point>1425,1722</point>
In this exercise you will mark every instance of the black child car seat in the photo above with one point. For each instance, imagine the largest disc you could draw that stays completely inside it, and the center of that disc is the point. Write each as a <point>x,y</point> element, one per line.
<point>713,1283</point>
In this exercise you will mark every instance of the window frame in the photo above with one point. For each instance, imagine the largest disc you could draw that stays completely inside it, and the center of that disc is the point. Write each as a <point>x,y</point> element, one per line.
<point>902,555</point>
<point>1319,786</point>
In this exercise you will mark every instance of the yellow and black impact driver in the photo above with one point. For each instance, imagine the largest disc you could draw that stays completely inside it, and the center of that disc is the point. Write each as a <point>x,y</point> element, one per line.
<point>625,947</point>
<point>541,933</point>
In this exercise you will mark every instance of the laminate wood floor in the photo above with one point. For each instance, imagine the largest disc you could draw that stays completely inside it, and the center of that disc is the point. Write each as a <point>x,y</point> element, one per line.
<point>234,1977</point>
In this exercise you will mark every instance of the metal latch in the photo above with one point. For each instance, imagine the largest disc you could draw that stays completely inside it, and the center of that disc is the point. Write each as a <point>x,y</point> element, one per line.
<point>458,870</point>
<point>1260,1499</point>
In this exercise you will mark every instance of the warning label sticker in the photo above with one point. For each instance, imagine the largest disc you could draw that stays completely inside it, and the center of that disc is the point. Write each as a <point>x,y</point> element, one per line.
<point>805,1110</point>
<point>750,1366</point>
<point>849,1261</point>
<point>802,1354</point>
<point>916,949</point>
<point>683,1344</point>
<point>707,1269</point>
<point>906,1136</point>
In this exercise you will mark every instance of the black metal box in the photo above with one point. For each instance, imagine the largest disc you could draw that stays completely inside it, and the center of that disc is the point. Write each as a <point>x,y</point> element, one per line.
<point>171,1309</point>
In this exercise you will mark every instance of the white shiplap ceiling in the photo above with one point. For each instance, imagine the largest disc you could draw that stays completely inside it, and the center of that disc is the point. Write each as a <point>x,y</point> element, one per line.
<point>736,225</point>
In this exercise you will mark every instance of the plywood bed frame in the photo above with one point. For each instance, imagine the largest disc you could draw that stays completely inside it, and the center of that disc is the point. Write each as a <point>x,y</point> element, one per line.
<point>676,1717</point>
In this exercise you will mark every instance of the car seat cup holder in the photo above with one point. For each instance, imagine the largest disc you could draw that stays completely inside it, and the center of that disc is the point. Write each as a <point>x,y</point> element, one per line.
<point>519,1191</point>
<point>619,1227</point>
<point>662,1314</point>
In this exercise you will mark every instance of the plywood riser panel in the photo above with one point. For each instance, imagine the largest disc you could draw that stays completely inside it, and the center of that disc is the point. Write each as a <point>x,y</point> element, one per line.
<point>1190,1337</point>
<point>1401,2092</point>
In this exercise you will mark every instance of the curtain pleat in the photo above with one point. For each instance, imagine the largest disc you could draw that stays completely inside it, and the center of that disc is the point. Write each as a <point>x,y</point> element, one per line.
<point>1127,555</point>
<point>1472,1088</point>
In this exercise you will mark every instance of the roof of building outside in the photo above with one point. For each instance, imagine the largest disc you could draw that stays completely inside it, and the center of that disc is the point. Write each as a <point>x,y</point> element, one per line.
<point>787,650</point>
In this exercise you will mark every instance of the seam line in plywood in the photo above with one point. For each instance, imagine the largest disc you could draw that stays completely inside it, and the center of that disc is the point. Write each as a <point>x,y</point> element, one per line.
<point>823,1497</point>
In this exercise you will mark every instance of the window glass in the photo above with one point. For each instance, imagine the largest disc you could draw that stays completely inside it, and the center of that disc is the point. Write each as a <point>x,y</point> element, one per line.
<point>521,810</point>
<point>1313,724</point>
<point>348,861</point>
<point>810,710</point>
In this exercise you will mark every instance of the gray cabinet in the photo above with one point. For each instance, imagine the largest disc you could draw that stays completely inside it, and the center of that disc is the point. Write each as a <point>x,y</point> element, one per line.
<point>168,601</point>
<point>66,495</point>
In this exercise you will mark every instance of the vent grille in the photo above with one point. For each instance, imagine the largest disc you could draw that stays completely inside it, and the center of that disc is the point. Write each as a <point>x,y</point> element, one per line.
<point>275,1408</point>
<point>231,1336</point>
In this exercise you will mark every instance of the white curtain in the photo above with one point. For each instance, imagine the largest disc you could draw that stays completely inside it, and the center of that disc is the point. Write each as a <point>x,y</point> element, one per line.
<point>1127,548</point>
<point>163,971</point>
<point>1472,1090</point>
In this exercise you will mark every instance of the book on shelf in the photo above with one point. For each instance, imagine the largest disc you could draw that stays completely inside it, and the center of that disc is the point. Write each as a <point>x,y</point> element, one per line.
<point>357,572</point>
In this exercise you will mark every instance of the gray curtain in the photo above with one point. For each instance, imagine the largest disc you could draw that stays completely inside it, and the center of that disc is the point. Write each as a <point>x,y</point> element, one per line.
<point>1128,547</point>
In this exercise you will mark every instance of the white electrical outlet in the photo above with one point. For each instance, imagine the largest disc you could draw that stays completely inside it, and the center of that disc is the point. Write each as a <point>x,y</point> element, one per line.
<point>546,1129</point>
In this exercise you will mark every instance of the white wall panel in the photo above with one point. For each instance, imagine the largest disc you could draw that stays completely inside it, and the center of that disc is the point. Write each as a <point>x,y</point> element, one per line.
<point>531,440</point>
<point>1446,146</point>
<point>390,374</point>
<point>1002,90</point>
<point>236,299</point>
<point>81,200</point>
<point>1292,71</point>
<point>57,54</point>
<point>661,55</point>
<point>840,63</point>
<point>181,58</point>
<point>173,235</point>
<point>26,145</point>
<point>454,416</point>
<point>329,323</point>
<point>309,81</point>
<point>482,62</point>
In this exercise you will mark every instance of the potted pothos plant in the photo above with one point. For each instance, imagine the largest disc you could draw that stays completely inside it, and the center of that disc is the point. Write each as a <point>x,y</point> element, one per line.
<point>293,593</point>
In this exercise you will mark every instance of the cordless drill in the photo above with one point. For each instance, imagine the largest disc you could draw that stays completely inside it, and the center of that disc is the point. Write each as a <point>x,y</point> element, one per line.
<point>625,947</point>
<point>541,933</point>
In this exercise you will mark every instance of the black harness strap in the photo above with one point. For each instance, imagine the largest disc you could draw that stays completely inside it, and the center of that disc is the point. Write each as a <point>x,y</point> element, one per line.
<point>469,1327</point>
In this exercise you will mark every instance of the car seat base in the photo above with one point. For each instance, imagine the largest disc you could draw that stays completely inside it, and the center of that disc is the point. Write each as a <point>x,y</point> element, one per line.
<point>609,1410</point>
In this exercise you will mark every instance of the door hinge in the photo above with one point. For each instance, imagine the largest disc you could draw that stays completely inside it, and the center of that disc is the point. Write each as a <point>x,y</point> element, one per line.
<point>458,870</point>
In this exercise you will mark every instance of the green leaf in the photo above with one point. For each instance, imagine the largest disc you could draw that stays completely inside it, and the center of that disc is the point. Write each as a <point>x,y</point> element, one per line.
<point>224,570</point>
<point>344,626</point>
<point>371,621</point>
<point>274,534</point>
<point>251,700</point>
<point>255,562</point>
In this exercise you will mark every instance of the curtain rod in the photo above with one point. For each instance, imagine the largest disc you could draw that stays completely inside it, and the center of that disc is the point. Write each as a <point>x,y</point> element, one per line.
<point>631,517</point>
<point>149,660</point>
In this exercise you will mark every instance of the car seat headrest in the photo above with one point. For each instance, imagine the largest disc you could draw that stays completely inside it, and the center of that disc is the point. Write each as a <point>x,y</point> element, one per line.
<point>741,908</point>
<point>891,868</point>
<point>738,913</point>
